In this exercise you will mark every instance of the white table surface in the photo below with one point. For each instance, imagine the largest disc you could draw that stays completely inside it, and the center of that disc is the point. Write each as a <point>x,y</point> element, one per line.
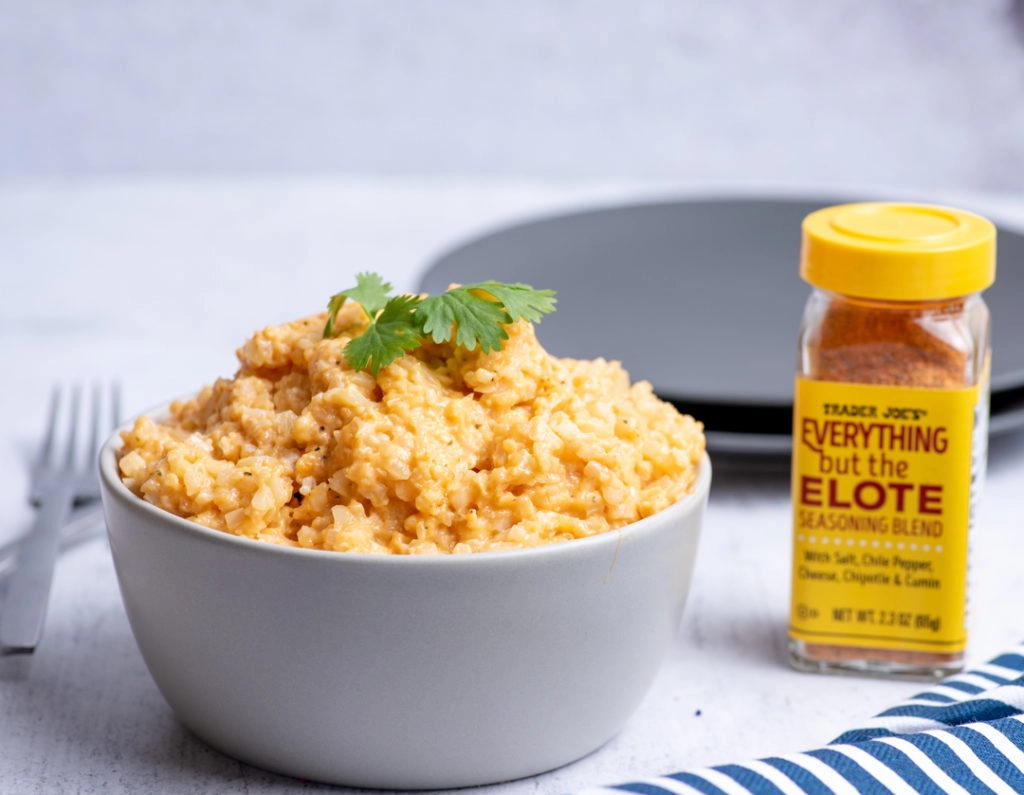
<point>156,282</point>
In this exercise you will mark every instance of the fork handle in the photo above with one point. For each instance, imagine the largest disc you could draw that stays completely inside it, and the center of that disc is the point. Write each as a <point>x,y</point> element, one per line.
<point>28,589</point>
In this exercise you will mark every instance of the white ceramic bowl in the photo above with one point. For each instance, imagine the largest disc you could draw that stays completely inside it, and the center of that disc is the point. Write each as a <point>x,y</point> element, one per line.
<point>401,672</point>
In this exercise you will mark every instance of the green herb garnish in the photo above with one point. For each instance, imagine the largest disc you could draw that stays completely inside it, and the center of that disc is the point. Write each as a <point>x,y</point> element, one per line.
<point>475,313</point>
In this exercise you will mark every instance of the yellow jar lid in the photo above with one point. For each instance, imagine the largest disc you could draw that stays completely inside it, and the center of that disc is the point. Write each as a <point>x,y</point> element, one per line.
<point>898,252</point>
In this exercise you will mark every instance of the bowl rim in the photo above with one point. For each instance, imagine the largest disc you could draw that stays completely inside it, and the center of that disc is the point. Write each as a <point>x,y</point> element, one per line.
<point>111,479</point>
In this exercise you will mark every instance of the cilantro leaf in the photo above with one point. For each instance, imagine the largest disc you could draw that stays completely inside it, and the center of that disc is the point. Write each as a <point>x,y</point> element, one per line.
<point>474,318</point>
<point>370,292</point>
<point>333,307</point>
<point>476,313</point>
<point>390,334</point>
<point>519,300</point>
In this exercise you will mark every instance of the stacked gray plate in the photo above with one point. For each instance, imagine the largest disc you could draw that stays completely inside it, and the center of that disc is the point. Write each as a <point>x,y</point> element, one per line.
<point>703,299</point>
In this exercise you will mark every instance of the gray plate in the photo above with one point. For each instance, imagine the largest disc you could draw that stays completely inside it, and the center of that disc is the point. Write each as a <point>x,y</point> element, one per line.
<point>703,299</point>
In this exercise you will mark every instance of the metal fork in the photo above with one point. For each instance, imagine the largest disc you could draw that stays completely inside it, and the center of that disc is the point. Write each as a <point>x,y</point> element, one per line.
<point>60,478</point>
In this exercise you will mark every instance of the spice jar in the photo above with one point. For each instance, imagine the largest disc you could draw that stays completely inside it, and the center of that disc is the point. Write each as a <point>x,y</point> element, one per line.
<point>890,427</point>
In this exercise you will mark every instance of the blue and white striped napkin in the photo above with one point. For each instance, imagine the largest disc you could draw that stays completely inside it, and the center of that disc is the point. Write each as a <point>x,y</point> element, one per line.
<point>965,735</point>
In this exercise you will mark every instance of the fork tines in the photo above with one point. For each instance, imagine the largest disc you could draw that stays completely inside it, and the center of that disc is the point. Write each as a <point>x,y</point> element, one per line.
<point>83,431</point>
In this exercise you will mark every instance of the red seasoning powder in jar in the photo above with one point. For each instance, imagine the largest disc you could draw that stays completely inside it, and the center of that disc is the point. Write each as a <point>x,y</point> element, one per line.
<point>889,437</point>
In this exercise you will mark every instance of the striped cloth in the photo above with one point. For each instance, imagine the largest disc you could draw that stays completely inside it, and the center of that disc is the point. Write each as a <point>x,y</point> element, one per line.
<point>965,735</point>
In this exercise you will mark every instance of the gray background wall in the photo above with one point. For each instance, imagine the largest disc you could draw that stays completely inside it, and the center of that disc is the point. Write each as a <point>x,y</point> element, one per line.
<point>923,93</point>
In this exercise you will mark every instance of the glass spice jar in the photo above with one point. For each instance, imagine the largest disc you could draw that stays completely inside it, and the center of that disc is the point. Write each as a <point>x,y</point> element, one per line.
<point>890,428</point>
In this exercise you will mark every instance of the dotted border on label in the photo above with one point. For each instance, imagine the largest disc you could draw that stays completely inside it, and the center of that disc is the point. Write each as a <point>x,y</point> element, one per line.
<point>899,546</point>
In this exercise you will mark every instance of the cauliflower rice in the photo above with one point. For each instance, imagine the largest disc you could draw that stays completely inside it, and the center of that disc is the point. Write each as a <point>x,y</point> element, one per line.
<point>445,451</point>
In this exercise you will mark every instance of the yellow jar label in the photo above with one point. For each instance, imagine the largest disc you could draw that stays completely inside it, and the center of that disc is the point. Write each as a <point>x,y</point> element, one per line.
<point>883,499</point>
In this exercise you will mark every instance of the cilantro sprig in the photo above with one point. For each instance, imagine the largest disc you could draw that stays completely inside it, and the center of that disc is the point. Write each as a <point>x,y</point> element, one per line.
<point>475,313</point>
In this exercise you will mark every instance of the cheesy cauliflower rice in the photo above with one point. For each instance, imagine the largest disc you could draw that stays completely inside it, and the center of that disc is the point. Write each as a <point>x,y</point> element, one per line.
<point>445,451</point>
